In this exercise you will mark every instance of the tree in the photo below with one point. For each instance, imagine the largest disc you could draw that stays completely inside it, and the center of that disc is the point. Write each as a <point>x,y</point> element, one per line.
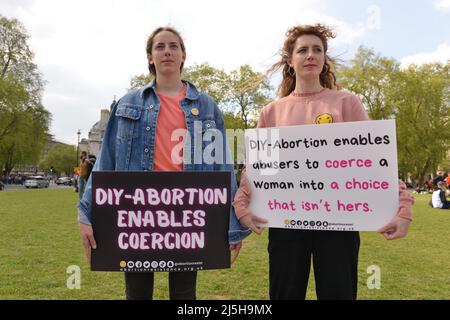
<point>24,121</point>
<point>206,78</point>
<point>12,96</point>
<point>247,92</point>
<point>369,76</point>
<point>62,158</point>
<point>232,121</point>
<point>417,97</point>
<point>25,145</point>
<point>421,100</point>
<point>139,81</point>
<point>16,61</point>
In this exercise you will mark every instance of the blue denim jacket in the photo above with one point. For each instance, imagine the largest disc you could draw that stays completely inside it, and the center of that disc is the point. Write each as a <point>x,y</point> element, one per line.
<point>129,142</point>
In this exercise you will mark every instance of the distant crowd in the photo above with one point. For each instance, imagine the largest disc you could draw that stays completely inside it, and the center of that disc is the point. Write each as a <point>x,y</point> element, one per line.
<point>431,184</point>
<point>439,187</point>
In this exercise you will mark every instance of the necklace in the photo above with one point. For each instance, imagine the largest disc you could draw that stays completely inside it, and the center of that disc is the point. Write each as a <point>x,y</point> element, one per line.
<point>306,94</point>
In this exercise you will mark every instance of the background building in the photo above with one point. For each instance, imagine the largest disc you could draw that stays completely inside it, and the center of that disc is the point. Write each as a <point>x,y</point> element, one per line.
<point>95,137</point>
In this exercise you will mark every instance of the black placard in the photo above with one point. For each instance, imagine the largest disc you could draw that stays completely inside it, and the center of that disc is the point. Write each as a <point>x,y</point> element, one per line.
<point>160,221</point>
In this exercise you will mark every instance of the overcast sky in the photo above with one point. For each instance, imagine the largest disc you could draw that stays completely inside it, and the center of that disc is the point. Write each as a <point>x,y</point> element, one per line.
<point>88,50</point>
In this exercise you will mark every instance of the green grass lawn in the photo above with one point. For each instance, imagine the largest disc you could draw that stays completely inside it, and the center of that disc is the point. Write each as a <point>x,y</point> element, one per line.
<point>39,240</point>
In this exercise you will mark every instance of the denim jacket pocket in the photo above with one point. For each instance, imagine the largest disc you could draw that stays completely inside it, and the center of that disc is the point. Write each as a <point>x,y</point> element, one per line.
<point>128,124</point>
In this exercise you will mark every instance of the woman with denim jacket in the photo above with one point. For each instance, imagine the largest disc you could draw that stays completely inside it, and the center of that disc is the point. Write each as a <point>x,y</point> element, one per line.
<point>138,138</point>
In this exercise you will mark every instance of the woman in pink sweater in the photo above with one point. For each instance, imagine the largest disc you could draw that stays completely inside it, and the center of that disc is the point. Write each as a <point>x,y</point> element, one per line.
<point>308,95</point>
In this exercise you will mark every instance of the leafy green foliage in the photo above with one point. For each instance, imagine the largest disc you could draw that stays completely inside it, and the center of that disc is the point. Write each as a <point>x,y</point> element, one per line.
<point>417,97</point>
<point>24,121</point>
<point>63,158</point>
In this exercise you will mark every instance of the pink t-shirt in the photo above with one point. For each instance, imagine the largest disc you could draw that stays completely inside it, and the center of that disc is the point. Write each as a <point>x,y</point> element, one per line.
<point>170,118</point>
<point>327,106</point>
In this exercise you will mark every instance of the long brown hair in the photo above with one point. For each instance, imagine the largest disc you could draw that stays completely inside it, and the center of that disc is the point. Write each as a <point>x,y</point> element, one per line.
<point>151,38</point>
<point>327,77</point>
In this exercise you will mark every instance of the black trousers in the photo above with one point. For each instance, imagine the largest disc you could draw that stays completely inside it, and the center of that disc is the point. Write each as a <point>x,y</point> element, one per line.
<point>139,285</point>
<point>335,262</point>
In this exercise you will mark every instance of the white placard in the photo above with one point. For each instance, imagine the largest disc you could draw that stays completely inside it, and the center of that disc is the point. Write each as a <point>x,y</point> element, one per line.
<point>340,176</point>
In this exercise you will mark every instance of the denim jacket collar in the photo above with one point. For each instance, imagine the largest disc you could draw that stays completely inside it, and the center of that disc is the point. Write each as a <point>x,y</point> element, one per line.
<point>191,91</point>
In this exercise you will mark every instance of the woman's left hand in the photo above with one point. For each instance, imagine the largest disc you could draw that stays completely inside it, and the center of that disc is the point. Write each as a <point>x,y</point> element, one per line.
<point>397,228</point>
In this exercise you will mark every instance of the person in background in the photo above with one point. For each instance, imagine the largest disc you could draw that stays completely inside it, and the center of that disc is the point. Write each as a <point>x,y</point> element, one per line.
<point>82,178</point>
<point>439,198</point>
<point>439,177</point>
<point>447,180</point>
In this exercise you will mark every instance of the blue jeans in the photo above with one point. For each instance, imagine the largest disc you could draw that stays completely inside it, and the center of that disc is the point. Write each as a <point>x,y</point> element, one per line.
<point>182,285</point>
<point>81,186</point>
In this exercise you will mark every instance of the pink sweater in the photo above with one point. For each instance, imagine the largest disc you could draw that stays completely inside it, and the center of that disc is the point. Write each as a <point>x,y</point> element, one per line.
<point>327,106</point>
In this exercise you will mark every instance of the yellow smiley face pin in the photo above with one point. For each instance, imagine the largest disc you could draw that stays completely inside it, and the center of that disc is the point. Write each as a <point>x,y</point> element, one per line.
<point>195,111</point>
<point>324,118</point>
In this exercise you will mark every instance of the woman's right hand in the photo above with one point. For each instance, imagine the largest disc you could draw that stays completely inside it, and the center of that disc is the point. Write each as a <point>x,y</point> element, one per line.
<point>241,204</point>
<point>250,220</point>
<point>87,238</point>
